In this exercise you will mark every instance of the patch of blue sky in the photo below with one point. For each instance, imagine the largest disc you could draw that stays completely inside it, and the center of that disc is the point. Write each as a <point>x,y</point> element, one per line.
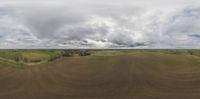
<point>195,36</point>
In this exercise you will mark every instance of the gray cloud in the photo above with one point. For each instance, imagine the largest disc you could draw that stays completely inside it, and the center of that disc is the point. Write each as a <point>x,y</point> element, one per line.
<point>98,25</point>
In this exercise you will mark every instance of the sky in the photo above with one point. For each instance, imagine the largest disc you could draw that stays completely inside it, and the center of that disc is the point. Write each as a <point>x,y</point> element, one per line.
<point>101,24</point>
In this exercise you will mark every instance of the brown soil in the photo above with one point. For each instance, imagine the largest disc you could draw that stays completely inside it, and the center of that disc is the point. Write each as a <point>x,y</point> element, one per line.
<point>138,76</point>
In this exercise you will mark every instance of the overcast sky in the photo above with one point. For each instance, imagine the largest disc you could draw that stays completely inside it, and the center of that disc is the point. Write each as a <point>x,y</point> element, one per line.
<point>100,24</point>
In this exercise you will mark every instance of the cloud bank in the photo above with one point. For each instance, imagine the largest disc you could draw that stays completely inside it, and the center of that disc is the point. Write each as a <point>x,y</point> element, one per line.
<point>70,24</point>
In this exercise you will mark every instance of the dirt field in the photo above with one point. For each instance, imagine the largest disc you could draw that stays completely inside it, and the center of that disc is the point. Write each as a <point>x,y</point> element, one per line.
<point>135,76</point>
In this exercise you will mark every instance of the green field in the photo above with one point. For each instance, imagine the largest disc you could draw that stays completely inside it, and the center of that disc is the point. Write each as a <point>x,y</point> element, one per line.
<point>29,56</point>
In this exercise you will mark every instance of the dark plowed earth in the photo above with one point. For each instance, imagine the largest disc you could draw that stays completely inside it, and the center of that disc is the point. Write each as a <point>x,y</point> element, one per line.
<point>137,76</point>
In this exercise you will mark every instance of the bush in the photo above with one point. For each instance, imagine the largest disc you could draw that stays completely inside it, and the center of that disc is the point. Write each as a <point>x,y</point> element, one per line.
<point>84,53</point>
